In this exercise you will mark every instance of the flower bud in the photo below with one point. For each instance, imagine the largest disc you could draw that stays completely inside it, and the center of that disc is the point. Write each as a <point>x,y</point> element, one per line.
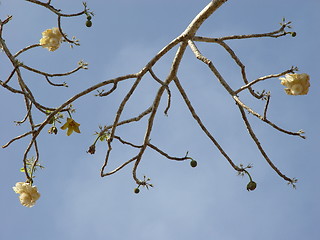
<point>251,186</point>
<point>53,129</point>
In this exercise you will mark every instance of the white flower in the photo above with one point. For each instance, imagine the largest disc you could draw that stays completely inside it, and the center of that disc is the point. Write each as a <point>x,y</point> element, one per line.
<point>51,39</point>
<point>297,84</point>
<point>28,194</point>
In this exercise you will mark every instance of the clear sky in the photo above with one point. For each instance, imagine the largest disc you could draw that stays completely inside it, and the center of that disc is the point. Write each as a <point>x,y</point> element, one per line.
<point>207,202</point>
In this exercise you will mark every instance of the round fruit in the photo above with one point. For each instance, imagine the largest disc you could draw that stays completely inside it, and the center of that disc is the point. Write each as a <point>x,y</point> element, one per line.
<point>136,190</point>
<point>89,17</point>
<point>193,163</point>
<point>251,186</point>
<point>88,23</point>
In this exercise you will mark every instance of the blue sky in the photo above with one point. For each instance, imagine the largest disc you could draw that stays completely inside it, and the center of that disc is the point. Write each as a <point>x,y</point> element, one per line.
<point>207,202</point>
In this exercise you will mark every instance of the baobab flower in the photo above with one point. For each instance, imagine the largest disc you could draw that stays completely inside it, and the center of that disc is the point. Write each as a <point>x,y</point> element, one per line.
<point>71,125</point>
<point>51,39</point>
<point>28,194</point>
<point>297,84</point>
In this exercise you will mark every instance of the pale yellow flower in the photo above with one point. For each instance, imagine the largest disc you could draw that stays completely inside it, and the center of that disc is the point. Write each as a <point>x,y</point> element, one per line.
<point>51,39</point>
<point>28,194</point>
<point>72,125</point>
<point>297,84</point>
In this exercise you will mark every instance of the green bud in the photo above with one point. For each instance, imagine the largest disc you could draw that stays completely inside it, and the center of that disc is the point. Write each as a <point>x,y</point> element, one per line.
<point>251,186</point>
<point>136,190</point>
<point>88,23</point>
<point>293,34</point>
<point>193,163</point>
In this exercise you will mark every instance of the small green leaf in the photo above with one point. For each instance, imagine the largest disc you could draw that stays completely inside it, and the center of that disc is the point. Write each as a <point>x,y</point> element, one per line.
<point>22,169</point>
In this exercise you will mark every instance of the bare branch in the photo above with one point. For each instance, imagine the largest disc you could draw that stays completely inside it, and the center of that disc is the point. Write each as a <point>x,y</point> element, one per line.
<point>134,119</point>
<point>275,34</point>
<point>10,76</point>
<point>51,74</point>
<point>167,88</point>
<point>17,138</point>
<point>11,89</point>
<point>255,139</point>
<point>202,126</point>
<point>167,155</point>
<point>242,67</point>
<point>25,49</point>
<point>211,66</point>
<point>54,10</point>
<point>267,96</point>
<point>240,103</point>
<point>55,84</point>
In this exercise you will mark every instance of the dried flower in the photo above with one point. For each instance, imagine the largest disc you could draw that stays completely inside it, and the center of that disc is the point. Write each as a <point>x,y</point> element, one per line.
<point>51,39</point>
<point>297,84</point>
<point>71,125</point>
<point>52,130</point>
<point>92,149</point>
<point>28,194</point>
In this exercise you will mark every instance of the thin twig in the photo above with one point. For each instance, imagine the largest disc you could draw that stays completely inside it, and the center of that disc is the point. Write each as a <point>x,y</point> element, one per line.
<point>275,34</point>
<point>241,65</point>
<point>167,155</point>
<point>54,10</point>
<point>11,89</point>
<point>134,119</point>
<point>17,138</point>
<point>239,102</point>
<point>172,74</point>
<point>167,88</point>
<point>29,107</point>
<point>202,126</point>
<point>266,106</point>
<point>292,70</point>
<point>258,144</point>
<point>10,76</point>
<point>25,49</point>
<point>56,84</point>
<point>102,94</point>
<point>51,74</point>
